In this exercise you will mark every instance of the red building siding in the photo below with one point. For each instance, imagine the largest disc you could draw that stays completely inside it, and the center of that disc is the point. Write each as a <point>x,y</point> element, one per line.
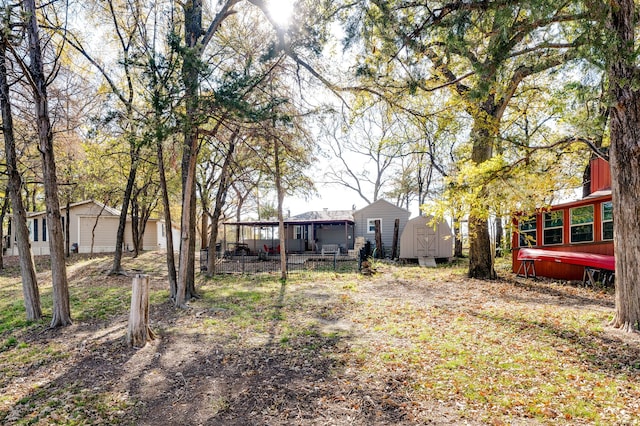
<point>600,175</point>
<point>564,271</point>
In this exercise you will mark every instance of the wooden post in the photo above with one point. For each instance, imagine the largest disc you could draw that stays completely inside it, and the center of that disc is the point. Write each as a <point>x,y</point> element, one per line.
<point>139,333</point>
<point>379,248</point>
<point>204,231</point>
<point>396,231</point>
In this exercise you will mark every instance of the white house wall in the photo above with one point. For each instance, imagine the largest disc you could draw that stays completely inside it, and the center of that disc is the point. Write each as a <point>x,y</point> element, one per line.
<point>104,236</point>
<point>161,238</point>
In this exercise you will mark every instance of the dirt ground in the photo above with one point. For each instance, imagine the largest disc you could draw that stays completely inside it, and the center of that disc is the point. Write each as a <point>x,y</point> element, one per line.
<point>248,376</point>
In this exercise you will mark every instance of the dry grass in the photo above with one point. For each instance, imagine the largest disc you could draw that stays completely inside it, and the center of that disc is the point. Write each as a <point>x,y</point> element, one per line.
<point>405,346</point>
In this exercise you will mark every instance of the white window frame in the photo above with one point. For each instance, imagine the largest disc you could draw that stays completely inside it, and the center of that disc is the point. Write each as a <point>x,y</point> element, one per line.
<point>298,231</point>
<point>545,227</point>
<point>605,220</point>
<point>371,225</point>
<point>533,231</point>
<point>572,225</point>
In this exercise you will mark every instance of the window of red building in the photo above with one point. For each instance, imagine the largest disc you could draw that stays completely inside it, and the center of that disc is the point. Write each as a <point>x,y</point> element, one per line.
<point>553,227</point>
<point>582,224</point>
<point>607,221</point>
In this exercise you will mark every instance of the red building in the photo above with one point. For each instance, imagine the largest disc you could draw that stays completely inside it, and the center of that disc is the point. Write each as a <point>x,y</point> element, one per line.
<point>559,242</point>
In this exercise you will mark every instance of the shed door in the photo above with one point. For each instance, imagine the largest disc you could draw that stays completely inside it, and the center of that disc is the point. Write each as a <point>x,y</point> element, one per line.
<point>426,240</point>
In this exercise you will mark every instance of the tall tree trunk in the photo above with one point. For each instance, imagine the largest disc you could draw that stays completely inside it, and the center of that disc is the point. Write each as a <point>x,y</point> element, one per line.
<point>625,165</point>
<point>61,308</point>
<point>3,214</point>
<point>135,223</point>
<point>499,235</point>
<point>280,192</point>
<point>67,231</point>
<point>27,268</point>
<point>93,229</point>
<point>190,79</point>
<point>457,242</point>
<point>191,262</point>
<point>196,40</point>
<point>221,196</point>
<point>480,252</point>
<point>187,233</point>
<point>204,229</point>
<point>116,269</point>
<point>171,265</point>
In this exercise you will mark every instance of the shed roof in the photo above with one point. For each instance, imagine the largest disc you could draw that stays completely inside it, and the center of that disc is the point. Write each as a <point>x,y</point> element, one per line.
<point>381,202</point>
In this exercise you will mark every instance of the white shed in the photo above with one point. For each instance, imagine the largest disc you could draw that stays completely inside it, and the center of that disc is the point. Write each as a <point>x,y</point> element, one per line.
<point>419,239</point>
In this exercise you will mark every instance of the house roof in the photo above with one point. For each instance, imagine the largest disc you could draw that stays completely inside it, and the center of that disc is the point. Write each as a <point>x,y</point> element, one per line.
<point>590,199</point>
<point>323,215</point>
<point>319,217</point>
<point>110,210</point>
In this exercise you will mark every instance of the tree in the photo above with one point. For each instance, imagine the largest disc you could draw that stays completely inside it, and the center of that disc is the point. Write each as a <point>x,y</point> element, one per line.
<point>220,199</point>
<point>38,81</point>
<point>126,21</point>
<point>144,201</point>
<point>4,208</point>
<point>374,135</point>
<point>482,52</point>
<point>625,160</point>
<point>161,77</point>
<point>196,40</point>
<point>27,268</point>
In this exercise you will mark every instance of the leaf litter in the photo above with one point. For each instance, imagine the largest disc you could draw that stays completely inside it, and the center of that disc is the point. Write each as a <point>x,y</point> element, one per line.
<point>406,345</point>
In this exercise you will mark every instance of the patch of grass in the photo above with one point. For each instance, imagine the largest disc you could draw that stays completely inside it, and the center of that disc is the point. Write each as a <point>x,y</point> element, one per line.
<point>9,343</point>
<point>531,359</point>
<point>70,405</point>
<point>12,314</point>
<point>98,303</point>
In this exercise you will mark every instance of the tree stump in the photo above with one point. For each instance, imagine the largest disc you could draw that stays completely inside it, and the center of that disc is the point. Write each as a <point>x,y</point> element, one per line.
<point>139,332</point>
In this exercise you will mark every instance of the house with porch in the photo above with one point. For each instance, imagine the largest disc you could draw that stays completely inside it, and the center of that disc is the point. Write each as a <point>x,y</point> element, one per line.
<point>311,232</point>
<point>318,232</point>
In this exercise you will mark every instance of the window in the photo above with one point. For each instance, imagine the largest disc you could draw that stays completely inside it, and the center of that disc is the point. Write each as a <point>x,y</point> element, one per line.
<point>552,233</point>
<point>371,225</point>
<point>44,229</point>
<point>607,221</point>
<point>582,224</point>
<point>35,229</point>
<point>297,232</point>
<point>527,232</point>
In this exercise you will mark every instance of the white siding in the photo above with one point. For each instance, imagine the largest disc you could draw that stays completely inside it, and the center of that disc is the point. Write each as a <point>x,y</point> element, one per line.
<point>103,237</point>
